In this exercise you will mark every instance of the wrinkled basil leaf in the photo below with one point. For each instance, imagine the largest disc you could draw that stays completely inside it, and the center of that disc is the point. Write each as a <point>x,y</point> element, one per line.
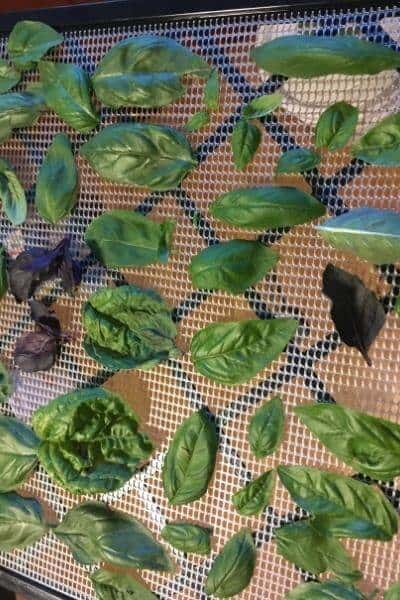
<point>261,106</point>
<point>393,593</point>
<point>297,160</point>
<point>6,383</point>
<point>335,126</point>
<point>125,238</point>
<point>328,590</point>
<point>36,351</point>
<point>12,194</point>
<point>255,496</point>
<point>190,460</point>
<point>29,41</point>
<point>232,266</point>
<point>356,311</point>
<point>212,91</point>
<point>45,318</point>
<point>266,207</point>
<point>267,427</point>
<point>18,453</point>
<point>21,522</point>
<point>380,145</point>
<point>96,533</point>
<point>308,56</point>
<point>118,586</point>
<point>153,156</point>
<point>3,271</point>
<point>187,537</point>
<point>234,566</point>
<point>246,138</point>
<point>128,327</point>
<point>232,353</point>
<point>17,110</point>
<point>197,121</point>
<point>9,76</point>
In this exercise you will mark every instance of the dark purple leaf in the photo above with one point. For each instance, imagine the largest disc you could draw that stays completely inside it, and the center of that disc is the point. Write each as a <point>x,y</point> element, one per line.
<point>36,351</point>
<point>70,272</point>
<point>45,318</point>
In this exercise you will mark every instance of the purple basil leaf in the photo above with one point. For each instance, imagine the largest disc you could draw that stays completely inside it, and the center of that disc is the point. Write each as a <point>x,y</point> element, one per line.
<point>45,318</point>
<point>36,351</point>
<point>70,272</point>
<point>49,260</point>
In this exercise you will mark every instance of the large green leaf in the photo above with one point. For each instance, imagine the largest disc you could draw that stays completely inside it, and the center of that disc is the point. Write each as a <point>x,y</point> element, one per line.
<point>29,41</point>
<point>328,590</point>
<point>18,453</point>
<point>246,138</point>
<point>232,353</point>
<point>145,71</point>
<point>212,91</point>
<point>6,383</point>
<point>12,194</point>
<point>3,272</point>
<point>297,160</point>
<point>118,586</point>
<point>21,521</point>
<point>380,145</point>
<point>262,106</point>
<point>255,496</point>
<point>153,156</point>
<point>393,593</point>
<point>188,537</point>
<point>190,460</point>
<point>232,266</point>
<point>125,238</point>
<point>9,76</point>
<point>335,126</point>
<point>267,427</point>
<point>17,110</point>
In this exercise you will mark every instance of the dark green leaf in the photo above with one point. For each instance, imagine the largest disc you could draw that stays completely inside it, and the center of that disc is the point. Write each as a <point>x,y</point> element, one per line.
<point>21,521</point>
<point>232,266</point>
<point>29,41</point>
<point>18,453</point>
<point>267,427</point>
<point>153,156</point>
<point>262,106</point>
<point>9,76</point>
<point>6,384</point>
<point>266,207</point>
<point>187,537</point>
<point>190,460</point>
<point>3,271</point>
<point>246,138</point>
<point>197,121</point>
<point>328,590</point>
<point>95,533</point>
<point>335,126</point>
<point>12,194</point>
<point>212,91</point>
<point>393,593</point>
<point>17,110</point>
<point>118,586</point>
<point>256,495</point>
<point>380,145</point>
<point>297,160</point>
<point>234,566</point>
<point>232,353</point>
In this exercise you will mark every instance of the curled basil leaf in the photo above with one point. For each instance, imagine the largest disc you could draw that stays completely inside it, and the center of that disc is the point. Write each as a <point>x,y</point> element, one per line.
<point>255,496</point>
<point>21,522</point>
<point>380,145</point>
<point>197,121</point>
<point>297,160</point>
<point>18,453</point>
<point>9,76</point>
<point>12,194</point>
<point>17,110</point>
<point>262,105</point>
<point>6,383</point>
<point>29,41</point>
<point>328,590</point>
<point>3,271</point>
<point>393,593</point>
<point>246,139</point>
<point>212,91</point>
<point>187,537</point>
<point>267,427</point>
<point>118,586</point>
<point>335,126</point>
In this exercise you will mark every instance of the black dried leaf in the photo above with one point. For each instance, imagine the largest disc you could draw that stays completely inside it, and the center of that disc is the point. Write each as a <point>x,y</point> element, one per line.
<point>45,318</point>
<point>356,311</point>
<point>36,351</point>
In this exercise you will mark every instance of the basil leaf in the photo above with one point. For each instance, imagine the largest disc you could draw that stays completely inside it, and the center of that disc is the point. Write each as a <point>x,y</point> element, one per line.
<point>369,444</point>
<point>96,533</point>
<point>232,353</point>
<point>393,593</point>
<point>197,121</point>
<point>297,160</point>
<point>17,110</point>
<point>57,182</point>
<point>308,56</point>
<point>262,106</point>
<point>234,566</point>
<point>190,460</point>
<point>18,453</point>
<point>187,537</point>
<point>29,41</point>
<point>3,271</point>
<point>6,384</point>
<point>21,522</point>
<point>255,496</point>
<point>356,311</point>
<point>90,441</point>
<point>212,91</point>
<point>232,266</point>
<point>9,76</point>
<point>12,194</point>
<point>266,207</point>
<point>246,138</point>
<point>154,156</point>
<point>118,586</point>
<point>328,590</point>
<point>128,327</point>
<point>66,89</point>
<point>335,126</point>
<point>380,145</point>
<point>267,427</point>
<point>345,507</point>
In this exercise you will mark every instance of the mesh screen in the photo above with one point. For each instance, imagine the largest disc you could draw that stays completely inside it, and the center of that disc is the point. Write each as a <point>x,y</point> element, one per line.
<point>316,367</point>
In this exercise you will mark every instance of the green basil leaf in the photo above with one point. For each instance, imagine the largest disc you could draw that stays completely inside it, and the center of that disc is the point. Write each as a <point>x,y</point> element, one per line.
<point>90,441</point>
<point>328,590</point>
<point>335,126</point>
<point>3,274</point>
<point>234,566</point>
<point>369,233</point>
<point>262,106</point>
<point>267,427</point>
<point>266,207</point>
<point>232,266</point>
<point>154,156</point>
<point>297,160</point>
<point>96,533</point>
<point>246,138</point>
<point>57,182</point>
<point>6,384</point>
<point>12,194</point>
<point>232,353</point>
<point>255,496</point>
<point>393,593</point>
<point>18,453</point>
<point>29,41</point>
<point>66,89</point>
<point>187,537</point>
<point>21,521</point>
<point>118,586</point>
<point>212,91</point>
<point>380,145</point>
<point>9,76</point>
<point>369,444</point>
<point>197,121</point>
<point>190,460</point>
<point>308,56</point>
<point>128,327</point>
<point>17,110</point>
<point>125,238</point>
<point>345,507</point>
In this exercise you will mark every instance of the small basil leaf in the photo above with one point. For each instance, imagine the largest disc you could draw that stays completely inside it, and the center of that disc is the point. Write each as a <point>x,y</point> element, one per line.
<point>232,266</point>
<point>234,566</point>
<point>125,238</point>
<point>262,106</point>
<point>6,383</point>
<point>393,593</point>
<point>12,194</point>
<point>3,271</point>
<point>36,351</point>
<point>118,586</point>
<point>153,156</point>
<point>17,110</point>
<point>356,311</point>
<point>380,145</point>
<point>190,460</point>
<point>18,453</point>
<point>267,427</point>
<point>297,160</point>
<point>197,121</point>
<point>232,353</point>
<point>212,91</point>
<point>187,537</point>
<point>29,41</point>
<point>9,76</point>
<point>255,496</point>
<point>328,590</point>
<point>45,318</point>
<point>21,522</point>
<point>246,138</point>
<point>335,126</point>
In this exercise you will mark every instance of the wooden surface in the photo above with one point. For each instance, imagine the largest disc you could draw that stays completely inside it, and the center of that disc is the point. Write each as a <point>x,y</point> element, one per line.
<point>13,5</point>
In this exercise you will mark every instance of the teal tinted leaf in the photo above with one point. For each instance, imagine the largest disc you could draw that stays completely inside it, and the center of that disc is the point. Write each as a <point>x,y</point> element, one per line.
<point>212,91</point>
<point>3,271</point>
<point>232,353</point>
<point>380,145</point>
<point>57,182</point>
<point>297,160</point>
<point>190,460</point>
<point>266,207</point>
<point>246,138</point>
<point>232,266</point>
<point>96,533</point>
<point>6,384</point>
<point>17,110</point>
<point>256,495</point>
<point>18,453</point>
<point>12,194</point>
<point>328,590</point>
<point>125,238</point>
<point>197,121</point>
<point>29,41</point>
<point>128,327</point>
<point>234,566</point>
<point>153,156</point>
<point>335,126</point>
<point>118,586</point>
<point>9,76</point>
<point>21,522</point>
<point>187,537</point>
<point>267,427</point>
<point>307,56</point>
<point>393,593</point>
<point>262,106</point>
